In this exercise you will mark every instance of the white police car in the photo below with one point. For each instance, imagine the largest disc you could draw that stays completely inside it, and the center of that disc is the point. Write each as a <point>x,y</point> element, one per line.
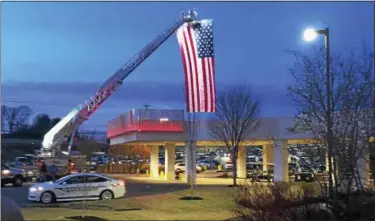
<point>79,186</point>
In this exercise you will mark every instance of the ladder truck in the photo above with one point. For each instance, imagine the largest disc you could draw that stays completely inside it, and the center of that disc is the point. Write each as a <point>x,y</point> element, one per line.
<point>71,122</point>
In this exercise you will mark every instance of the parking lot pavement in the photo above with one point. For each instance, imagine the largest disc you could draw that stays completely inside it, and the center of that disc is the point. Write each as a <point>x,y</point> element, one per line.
<point>134,189</point>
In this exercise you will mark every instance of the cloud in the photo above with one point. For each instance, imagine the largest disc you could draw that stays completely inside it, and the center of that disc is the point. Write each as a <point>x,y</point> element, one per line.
<point>77,92</point>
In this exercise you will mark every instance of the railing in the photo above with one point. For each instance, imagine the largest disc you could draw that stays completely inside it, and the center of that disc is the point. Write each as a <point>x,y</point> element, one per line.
<point>147,121</point>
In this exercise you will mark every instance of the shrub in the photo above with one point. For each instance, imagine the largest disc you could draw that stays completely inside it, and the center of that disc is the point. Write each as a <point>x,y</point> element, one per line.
<point>117,168</point>
<point>279,202</point>
<point>145,167</point>
<point>358,206</point>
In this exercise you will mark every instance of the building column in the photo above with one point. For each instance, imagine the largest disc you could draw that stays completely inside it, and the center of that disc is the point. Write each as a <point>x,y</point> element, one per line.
<point>170,161</point>
<point>241,163</point>
<point>154,161</point>
<point>281,156</point>
<point>190,162</point>
<point>267,156</point>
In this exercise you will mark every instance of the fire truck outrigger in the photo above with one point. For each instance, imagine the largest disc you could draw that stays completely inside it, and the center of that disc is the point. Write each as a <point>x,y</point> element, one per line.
<point>68,125</point>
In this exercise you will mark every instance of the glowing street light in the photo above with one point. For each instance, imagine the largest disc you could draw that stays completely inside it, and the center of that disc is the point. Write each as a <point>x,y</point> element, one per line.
<point>310,34</point>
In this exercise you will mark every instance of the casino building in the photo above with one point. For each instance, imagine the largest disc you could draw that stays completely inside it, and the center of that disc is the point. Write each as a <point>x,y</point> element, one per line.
<point>168,128</point>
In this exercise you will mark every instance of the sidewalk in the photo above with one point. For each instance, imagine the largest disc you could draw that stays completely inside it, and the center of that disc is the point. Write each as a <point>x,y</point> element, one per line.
<point>200,181</point>
<point>141,178</point>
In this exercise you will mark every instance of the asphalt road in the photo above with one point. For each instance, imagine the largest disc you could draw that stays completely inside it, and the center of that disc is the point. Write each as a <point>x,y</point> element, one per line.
<point>134,189</point>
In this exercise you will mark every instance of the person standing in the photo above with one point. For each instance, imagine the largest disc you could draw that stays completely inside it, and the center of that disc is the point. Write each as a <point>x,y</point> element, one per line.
<point>38,166</point>
<point>53,170</point>
<point>43,172</point>
<point>70,166</point>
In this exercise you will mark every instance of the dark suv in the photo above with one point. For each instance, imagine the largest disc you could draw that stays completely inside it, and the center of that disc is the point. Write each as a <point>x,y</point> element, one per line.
<point>12,175</point>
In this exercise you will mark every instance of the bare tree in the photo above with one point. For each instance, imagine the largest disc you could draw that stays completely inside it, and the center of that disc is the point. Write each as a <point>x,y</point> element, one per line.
<point>16,118</point>
<point>351,97</point>
<point>235,117</point>
<point>86,147</point>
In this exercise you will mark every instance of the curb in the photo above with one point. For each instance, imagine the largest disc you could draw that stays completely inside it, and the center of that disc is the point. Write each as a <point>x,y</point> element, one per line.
<point>142,178</point>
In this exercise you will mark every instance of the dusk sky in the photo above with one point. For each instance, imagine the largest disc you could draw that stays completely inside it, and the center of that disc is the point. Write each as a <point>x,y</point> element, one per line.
<point>54,55</point>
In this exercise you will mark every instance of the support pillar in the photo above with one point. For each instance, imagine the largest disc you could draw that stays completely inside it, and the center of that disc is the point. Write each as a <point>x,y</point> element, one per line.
<point>241,163</point>
<point>268,156</point>
<point>170,161</point>
<point>281,156</point>
<point>154,161</point>
<point>190,162</point>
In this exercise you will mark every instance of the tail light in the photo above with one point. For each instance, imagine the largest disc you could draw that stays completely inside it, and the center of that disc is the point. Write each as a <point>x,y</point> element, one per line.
<point>119,183</point>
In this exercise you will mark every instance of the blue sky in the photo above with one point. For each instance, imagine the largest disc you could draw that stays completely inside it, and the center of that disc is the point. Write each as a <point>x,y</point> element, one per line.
<point>56,54</point>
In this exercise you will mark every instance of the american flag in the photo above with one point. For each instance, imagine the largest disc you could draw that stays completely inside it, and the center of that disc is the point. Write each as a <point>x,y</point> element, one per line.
<point>197,50</point>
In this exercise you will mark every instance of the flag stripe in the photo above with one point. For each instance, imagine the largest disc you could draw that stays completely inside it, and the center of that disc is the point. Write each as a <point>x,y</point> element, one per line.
<point>196,73</point>
<point>192,70</point>
<point>213,89</point>
<point>208,80</point>
<point>190,75</point>
<point>189,105</point>
<point>205,84</point>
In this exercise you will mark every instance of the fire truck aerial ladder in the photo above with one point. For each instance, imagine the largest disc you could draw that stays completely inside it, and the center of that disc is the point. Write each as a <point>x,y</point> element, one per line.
<point>71,122</point>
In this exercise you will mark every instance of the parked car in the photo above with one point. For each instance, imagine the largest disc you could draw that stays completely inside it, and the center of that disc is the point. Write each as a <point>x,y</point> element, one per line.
<point>12,175</point>
<point>180,167</point>
<point>259,175</point>
<point>228,165</point>
<point>208,163</point>
<point>23,161</point>
<point>252,167</point>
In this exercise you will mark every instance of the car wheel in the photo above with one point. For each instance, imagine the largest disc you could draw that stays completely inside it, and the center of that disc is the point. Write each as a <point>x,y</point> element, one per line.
<point>106,195</point>
<point>18,181</point>
<point>47,197</point>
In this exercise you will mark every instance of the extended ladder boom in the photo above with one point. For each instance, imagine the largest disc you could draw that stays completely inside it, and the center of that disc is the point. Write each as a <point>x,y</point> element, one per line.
<point>70,123</point>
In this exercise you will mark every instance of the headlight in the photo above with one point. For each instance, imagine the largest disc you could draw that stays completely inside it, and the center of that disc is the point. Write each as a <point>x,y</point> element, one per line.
<point>34,189</point>
<point>5,172</point>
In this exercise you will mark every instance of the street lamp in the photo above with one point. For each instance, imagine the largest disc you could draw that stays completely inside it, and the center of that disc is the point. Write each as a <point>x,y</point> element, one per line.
<point>310,35</point>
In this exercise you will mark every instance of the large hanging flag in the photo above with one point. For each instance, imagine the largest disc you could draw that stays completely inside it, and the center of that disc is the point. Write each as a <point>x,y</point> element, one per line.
<point>197,50</point>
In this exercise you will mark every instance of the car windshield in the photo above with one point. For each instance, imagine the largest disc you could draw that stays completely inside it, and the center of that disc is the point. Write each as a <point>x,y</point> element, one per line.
<point>3,166</point>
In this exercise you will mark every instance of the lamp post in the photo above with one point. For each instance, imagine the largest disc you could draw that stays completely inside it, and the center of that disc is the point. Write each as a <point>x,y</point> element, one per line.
<point>310,35</point>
